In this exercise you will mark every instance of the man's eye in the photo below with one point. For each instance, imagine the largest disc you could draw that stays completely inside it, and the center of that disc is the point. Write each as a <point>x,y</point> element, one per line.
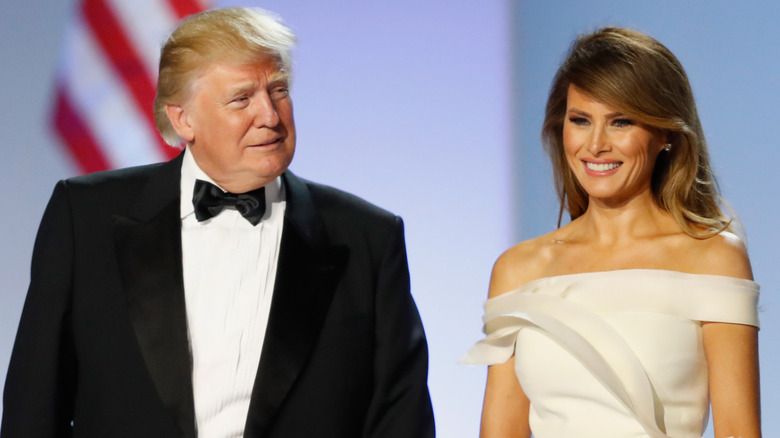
<point>239,100</point>
<point>280,93</point>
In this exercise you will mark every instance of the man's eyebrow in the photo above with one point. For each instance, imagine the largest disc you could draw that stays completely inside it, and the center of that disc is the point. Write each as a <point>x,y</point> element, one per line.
<point>278,76</point>
<point>240,89</point>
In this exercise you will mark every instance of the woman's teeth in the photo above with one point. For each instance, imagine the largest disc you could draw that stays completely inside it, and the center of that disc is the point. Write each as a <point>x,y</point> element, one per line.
<point>601,167</point>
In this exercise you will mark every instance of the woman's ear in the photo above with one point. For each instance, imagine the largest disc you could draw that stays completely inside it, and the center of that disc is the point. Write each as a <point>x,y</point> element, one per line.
<point>665,140</point>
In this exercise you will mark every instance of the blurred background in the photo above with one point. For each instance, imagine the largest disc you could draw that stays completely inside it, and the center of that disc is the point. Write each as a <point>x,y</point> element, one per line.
<point>431,109</point>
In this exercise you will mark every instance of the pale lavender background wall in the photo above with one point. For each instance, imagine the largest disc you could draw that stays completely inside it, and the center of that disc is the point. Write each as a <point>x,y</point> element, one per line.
<point>729,51</point>
<point>432,109</point>
<point>403,103</point>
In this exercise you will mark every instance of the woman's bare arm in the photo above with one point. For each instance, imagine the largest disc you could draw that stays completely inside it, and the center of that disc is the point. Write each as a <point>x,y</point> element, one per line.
<point>732,354</point>
<point>505,410</point>
<point>732,360</point>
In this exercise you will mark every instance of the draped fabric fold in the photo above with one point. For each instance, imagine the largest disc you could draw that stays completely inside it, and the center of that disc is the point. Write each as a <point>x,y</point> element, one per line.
<point>586,315</point>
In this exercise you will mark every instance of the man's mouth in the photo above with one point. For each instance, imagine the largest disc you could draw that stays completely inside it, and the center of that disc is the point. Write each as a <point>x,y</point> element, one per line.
<point>271,142</point>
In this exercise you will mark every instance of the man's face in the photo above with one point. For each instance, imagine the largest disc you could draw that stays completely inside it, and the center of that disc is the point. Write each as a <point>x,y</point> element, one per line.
<point>239,124</point>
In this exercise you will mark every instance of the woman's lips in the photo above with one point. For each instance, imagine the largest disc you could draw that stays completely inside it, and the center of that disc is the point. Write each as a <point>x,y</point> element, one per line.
<point>602,168</point>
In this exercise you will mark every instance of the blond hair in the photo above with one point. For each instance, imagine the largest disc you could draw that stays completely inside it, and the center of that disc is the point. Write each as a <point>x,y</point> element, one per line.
<point>639,76</point>
<point>242,35</point>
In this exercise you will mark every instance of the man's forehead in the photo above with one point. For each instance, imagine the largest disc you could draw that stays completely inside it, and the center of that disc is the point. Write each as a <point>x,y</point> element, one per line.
<point>266,71</point>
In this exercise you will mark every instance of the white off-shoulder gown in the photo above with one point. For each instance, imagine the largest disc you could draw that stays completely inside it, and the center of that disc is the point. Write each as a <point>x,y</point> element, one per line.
<point>616,353</point>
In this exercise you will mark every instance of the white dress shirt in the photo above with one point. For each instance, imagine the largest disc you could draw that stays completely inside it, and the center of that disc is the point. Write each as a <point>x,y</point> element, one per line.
<point>229,272</point>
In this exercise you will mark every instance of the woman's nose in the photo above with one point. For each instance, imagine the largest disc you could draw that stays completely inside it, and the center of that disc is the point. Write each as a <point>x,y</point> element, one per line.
<point>599,141</point>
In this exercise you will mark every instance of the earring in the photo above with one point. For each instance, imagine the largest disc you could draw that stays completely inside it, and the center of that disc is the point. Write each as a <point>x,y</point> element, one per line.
<point>668,147</point>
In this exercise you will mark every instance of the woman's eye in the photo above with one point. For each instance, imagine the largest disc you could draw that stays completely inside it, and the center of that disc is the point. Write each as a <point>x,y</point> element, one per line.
<point>578,120</point>
<point>621,123</point>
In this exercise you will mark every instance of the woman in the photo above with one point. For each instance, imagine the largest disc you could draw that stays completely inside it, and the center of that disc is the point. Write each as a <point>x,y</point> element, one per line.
<point>623,322</point>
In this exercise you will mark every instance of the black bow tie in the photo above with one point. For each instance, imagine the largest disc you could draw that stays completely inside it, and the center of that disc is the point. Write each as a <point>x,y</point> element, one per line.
<point>209,200</point>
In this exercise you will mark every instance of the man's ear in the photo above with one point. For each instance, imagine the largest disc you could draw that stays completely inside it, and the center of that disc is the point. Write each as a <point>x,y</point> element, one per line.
<point>180,122</point>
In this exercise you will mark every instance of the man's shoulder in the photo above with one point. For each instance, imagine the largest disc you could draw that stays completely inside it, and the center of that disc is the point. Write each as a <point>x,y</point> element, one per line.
<point>127,175</point>
<point>330,200</point>
<point>119,191</point>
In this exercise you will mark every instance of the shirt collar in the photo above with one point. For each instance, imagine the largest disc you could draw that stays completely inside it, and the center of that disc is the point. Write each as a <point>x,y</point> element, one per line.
<point>190,171</point>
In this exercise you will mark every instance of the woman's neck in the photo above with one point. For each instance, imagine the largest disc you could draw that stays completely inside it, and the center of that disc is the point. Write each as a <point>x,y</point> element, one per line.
<point>610,223</point>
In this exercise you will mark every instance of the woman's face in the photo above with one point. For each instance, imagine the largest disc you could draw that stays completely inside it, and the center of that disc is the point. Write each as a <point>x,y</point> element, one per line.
<point>611,154</point>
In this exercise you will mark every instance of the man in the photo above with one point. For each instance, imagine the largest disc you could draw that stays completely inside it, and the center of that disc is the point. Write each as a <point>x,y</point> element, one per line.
<point>218,294</point>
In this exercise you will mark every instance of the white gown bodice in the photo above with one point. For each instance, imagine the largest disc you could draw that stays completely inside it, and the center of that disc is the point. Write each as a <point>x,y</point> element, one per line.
<point>616,353</point>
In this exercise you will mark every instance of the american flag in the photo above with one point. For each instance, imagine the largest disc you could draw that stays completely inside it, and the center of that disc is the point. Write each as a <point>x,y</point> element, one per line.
<point>106,81</point>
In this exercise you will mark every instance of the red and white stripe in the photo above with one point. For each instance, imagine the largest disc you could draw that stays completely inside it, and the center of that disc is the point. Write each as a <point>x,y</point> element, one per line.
<point>106,81</point>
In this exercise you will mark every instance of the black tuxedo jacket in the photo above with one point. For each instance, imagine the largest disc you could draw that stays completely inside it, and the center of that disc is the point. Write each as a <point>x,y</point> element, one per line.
<point>102,348</point>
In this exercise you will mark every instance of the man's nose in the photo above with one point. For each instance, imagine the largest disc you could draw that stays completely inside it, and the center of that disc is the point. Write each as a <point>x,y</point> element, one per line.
<point>264,112</point>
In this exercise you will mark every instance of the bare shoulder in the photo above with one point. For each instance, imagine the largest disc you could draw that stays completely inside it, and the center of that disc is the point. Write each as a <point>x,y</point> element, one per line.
<point>520,264</point>
<point>722,254</point>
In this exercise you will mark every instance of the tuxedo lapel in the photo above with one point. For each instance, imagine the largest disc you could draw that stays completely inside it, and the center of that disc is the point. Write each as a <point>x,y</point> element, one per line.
<point>148,246</point>
<point>307,275</point>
